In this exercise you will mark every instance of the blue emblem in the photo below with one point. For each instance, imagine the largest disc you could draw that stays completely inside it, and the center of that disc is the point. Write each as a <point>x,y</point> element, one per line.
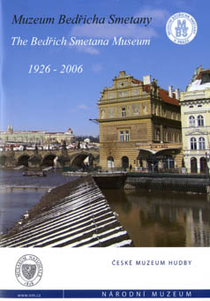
<point>181,28</point>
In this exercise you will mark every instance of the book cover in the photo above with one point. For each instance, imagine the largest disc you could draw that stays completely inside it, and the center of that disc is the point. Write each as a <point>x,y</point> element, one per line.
<point>118,90</point>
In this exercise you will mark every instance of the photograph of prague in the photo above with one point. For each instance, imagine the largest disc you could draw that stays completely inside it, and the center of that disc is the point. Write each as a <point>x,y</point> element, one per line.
<point>104,124</point>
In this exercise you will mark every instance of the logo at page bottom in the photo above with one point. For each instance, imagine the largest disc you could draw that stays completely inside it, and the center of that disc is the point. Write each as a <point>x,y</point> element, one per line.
<point>29,270</point>
<point>181,28</point>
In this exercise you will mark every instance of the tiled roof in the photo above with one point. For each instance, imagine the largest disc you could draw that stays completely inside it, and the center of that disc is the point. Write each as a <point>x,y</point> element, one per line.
<point>163,93</point>
<point>136,81</point>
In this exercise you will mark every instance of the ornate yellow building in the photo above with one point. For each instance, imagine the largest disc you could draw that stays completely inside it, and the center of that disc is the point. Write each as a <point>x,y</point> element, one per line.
<point>195,112</point>
<point>139,125</point>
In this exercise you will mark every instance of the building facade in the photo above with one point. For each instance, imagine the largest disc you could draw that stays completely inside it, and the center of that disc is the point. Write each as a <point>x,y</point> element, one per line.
<point>195,115</point>
<point>34,137</point>
<point>139,125</point>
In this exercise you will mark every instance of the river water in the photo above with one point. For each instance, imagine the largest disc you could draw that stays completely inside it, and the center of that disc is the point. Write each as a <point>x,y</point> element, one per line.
<point>18,194</point>
<point>152,219</point>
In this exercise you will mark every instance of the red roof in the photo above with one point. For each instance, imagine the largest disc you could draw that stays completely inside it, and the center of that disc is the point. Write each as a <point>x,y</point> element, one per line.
<point>136,81</point>
<point>163,93</point>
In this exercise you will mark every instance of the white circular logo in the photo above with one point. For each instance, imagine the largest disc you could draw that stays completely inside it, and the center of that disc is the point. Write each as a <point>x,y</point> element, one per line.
<point>181,28</point>
<point>29,270</point>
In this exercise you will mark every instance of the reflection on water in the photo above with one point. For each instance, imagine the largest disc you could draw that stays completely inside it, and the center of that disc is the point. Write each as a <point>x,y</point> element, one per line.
<point>151,219</point>
<point>15,202</point>
<point>163,219</point>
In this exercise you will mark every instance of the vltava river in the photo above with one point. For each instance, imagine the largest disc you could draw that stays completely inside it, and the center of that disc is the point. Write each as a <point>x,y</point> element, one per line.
<point>163,219</point>
<point>22,197</point>
<point>152,219</point>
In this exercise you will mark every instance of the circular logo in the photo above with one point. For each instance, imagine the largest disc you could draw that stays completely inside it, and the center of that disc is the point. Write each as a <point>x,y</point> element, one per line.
<point>29,270</point>
<point>181,28</point>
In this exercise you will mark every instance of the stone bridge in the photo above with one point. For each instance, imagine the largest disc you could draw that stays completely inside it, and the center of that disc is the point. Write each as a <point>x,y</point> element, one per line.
<point>45,158</point>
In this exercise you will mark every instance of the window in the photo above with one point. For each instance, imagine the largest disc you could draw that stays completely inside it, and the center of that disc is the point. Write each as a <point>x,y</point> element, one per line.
<point>121,136</point>
<point>110,162</point>
<point>199,106</point>
<point>203,165</point>
<point>191,121</point>
<point>193,165</point>
<point>157,134</point>
<point>200,120</point>
<point>193,143</point>
<point>168,162</point>
<point>201,142</point>
<point>102,114</point>
<point>191,107</point>
<point>124,136</point>
<point>123,112</point>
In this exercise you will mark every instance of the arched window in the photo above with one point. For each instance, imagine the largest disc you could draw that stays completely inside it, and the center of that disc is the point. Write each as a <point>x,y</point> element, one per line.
<point>125,162</point>
<point>193,143</point>
<point>193,165</point>
<point>191,121</point>
<point>201,142</point>
<point>110,162</point>
<point>203,165</point>
<point>200,120</point>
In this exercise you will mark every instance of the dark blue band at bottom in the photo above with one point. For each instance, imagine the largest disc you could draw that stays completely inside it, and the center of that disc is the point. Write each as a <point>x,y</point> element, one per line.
<point>103,294</point>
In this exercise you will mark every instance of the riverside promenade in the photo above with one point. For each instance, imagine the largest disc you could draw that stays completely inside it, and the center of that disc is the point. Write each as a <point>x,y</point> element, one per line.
<point>198,183</point>
<point>75,214</point>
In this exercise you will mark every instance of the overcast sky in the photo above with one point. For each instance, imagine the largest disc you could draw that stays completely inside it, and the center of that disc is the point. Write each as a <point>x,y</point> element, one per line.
<point>54,101</point>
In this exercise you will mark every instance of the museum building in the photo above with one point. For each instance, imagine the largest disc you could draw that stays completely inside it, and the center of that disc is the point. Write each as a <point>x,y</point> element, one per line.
<point>195,115</point>
<point>139,125</point>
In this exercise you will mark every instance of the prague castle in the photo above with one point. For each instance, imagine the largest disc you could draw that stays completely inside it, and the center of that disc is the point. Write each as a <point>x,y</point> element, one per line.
<point>34,137</point>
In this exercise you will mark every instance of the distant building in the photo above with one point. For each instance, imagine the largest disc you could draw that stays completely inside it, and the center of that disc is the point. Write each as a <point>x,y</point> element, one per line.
<point>34,137</point>
<point>139,125</point>
<point>195,114</point>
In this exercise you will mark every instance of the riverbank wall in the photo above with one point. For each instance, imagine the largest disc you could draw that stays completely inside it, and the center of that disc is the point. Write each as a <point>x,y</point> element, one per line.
<point>168,182</point>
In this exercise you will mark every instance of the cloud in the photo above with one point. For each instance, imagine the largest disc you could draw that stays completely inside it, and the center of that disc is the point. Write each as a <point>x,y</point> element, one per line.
<point>159,16</point>
<point>97,68</point>
<point>82,107</point>
<point>79,108</point>
<point>108,31</point>
<point>87,49</point>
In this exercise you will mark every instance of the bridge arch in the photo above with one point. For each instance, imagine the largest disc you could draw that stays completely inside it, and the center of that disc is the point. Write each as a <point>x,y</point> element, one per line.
<point>48,160</point>
<point>3,160</point>
<point>23,160</point>
<point>78,159</point>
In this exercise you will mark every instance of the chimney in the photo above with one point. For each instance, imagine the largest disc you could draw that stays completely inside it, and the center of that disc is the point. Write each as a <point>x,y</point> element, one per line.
<point>147,79</point>
<point>177,94</point>
<point>170,91</point>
